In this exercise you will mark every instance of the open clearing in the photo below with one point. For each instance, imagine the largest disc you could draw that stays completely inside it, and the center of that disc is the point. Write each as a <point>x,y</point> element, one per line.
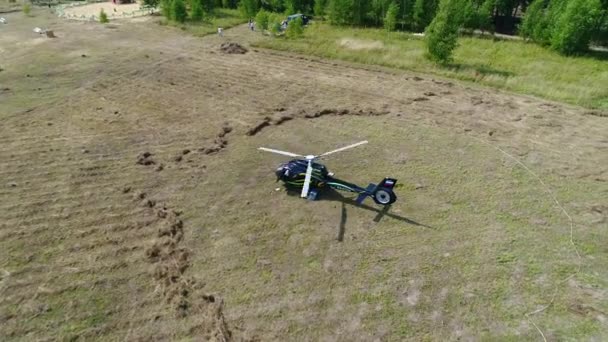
<point>99,239</point>
<point>112,10</point>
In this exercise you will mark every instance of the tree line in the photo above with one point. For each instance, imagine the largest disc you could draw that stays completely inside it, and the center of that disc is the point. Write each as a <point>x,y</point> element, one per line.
<point>568,26</point>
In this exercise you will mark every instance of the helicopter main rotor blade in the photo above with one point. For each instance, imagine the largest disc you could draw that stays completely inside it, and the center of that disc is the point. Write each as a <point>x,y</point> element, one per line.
<point>342,149</point>
<point>307,180</point>
<point>289,154</point>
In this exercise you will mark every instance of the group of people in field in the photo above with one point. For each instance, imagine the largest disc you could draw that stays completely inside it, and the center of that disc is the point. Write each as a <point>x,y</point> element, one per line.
<point>220,31</point>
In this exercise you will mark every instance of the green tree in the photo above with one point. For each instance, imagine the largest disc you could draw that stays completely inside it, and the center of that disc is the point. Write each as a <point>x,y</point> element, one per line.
<point>469,15</point>
<point>419,18</point>
<point>533,19</point>
<point>340,12</point>
<point>485,14</point>
<point>165,8</point>
<point>261,20</point>
<point>575,27</point>
<point>390,19</point>
<point>208,6</point>
<point>178,11</point>
<point>293,6</point>
<point>359,11</point>
<point>249,8</point>
<point>274,5</point>
<point>229,3</point>
<point>103,17</point>
<point>196,10</point>
<point>295,29</point>
<point>376,11</point>
<point>320,7</point>
<point>442,33</point>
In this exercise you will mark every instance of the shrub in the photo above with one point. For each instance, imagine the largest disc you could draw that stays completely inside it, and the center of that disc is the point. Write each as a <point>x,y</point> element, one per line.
<point>27,9</point>
<point>575,27</point>
<point>165,8</point>
<point>261,20</point>
<point>295,29</point>
<point>442,33</point>
<point>533,20</point>
<point>103,17</point>
<point>274,23</point>
<point>390,19</point>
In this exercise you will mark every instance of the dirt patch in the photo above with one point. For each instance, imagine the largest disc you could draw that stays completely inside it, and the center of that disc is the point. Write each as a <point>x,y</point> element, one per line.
<point>113,11</point>
<point>220,141</point>
<point>597,113</point>
<point>233,48</point>
<point>145,158</point>
<point>282,115</point>
<point>360,44</point>
<point>257,128</point>
<point>170,260</point>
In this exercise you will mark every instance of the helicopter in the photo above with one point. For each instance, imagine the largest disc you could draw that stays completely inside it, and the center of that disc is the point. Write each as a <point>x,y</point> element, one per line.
<point>304,172</point>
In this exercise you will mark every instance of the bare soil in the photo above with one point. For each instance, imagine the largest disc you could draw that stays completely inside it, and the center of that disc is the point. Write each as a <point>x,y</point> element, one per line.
<point>97,241</point>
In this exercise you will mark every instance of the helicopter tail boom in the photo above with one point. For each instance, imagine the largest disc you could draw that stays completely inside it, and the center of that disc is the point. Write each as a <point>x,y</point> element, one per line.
<point>372,190</point>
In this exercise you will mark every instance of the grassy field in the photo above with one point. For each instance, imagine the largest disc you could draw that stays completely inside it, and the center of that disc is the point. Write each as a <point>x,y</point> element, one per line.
<point>223,17</point>
<point>516,66</point>
<point>199,239</point>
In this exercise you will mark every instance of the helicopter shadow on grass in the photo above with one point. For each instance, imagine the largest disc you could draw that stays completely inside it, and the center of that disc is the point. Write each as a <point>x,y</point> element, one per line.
<point>333,195</point>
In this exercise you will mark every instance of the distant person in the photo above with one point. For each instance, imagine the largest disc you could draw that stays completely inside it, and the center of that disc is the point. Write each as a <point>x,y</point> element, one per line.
<point>220,31</point>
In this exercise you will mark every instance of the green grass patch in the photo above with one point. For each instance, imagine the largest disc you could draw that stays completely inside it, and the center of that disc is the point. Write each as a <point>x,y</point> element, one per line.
<point>223,17</point>
<point>513,65</point>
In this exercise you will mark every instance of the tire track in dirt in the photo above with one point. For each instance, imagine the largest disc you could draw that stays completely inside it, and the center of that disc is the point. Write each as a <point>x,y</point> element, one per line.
<point>170,259</point>
<point>281,116</point>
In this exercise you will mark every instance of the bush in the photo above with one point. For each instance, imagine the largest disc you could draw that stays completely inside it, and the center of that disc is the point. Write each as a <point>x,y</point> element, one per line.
<point>390,19</point>
<point>208,6</point>
<point>178,11</point>
<point>274,23</point>
<point>27,9</point>
<point>165,8</point>
<point>295,29</point>
<point>261,20</point>
<point>533,21</point>
<point>103,17</point>
<point>485,14</point>
<point>196,10</point>
<point>575,27</point>
<point>442,33</point>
